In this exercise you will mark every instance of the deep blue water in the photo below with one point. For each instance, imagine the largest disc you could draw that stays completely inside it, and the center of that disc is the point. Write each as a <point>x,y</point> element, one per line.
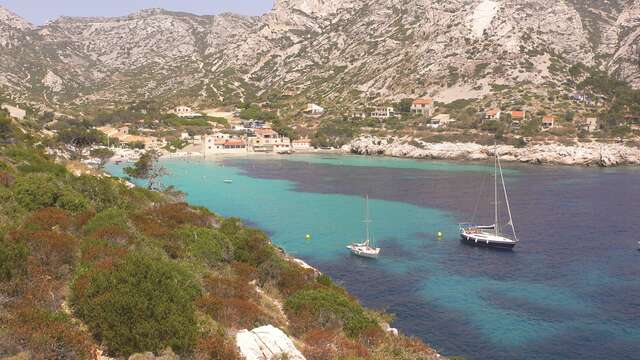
<point>570,289</point>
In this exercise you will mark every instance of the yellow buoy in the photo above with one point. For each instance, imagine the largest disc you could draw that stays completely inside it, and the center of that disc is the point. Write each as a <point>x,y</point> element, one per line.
<point>440,235</point>
<point>307,237</point>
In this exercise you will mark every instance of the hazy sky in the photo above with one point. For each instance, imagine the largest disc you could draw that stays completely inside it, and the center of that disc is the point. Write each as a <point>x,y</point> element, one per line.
<point>40,11</point>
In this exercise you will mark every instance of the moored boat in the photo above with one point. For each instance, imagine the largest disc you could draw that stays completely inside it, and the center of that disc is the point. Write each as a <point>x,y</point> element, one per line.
<point>492,236</point>
<point>366,248</point>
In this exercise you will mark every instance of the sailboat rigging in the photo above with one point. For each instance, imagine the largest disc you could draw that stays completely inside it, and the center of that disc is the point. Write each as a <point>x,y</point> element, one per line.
<point>365,248</point>
<point>492,235</point>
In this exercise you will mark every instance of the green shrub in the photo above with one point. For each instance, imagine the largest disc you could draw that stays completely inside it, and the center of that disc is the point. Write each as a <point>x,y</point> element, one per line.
<point>103,193</point>
<point>328,307</point>
<point>141,304</point>
<point>35,191</point>
<point>207,245</point>
<point>109,217</point>
<point>72,201</point>
<point>13,259</point>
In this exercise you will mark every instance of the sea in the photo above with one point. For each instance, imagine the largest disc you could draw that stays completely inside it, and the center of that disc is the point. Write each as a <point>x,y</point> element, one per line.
<point>569,290</point>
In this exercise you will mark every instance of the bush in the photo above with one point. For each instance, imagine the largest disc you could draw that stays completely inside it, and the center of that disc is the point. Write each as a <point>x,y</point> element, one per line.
<point>36,191</point>
<point>216,347</point>
<point>49,335</point>
<point>103,193</point>
<point>141,304</point>
<point>109,217</point>
<point>207,245</point>
<point>327,308</point>
<point>72,201</point>
<point>13,258</point>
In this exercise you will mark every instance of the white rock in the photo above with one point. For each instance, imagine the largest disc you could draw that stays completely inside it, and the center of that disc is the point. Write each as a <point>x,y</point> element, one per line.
<point>266,342</point>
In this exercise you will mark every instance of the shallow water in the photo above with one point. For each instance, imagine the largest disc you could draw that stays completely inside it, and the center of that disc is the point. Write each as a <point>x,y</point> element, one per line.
<point>569,290</point>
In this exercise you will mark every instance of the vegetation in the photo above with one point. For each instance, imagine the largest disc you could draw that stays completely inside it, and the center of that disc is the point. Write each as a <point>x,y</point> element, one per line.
<point>87,263</point>
<point>147,168</point>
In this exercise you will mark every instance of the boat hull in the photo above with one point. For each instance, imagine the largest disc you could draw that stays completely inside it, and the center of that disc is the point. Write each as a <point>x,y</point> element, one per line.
<point>473,241</point>
<point>365,254</point>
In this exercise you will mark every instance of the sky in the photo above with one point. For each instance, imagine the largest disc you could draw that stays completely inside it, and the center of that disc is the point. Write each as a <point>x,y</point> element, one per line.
<point>39,12</point>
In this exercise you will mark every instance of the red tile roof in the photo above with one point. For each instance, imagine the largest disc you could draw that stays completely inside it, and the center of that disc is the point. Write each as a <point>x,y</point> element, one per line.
<point>423,101</point>
<point>517,114</point>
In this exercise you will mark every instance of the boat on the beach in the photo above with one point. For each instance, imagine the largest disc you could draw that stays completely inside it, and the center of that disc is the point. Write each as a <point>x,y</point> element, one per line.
<point>366,248</point>
<point>492,236</point>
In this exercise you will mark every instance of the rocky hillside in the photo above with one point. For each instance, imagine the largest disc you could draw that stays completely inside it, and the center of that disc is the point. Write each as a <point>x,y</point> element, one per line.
<point>320,48</point>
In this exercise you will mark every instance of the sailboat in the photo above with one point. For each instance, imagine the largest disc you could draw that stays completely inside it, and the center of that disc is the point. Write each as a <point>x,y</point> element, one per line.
<point>365,248</point>
<point>492,235</point>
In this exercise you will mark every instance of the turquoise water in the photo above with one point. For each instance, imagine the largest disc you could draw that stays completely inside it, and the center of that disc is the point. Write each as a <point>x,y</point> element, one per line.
<point>566,292</point>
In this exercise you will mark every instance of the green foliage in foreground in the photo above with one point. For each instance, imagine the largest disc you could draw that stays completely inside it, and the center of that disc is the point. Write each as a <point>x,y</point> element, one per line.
<point>330,306</point>
<point>138,305</point>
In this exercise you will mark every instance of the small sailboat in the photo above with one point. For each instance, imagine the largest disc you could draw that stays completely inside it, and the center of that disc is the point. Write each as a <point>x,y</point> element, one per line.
<point>228,181</point>
<point>492,235</point>
<point>366,248</point>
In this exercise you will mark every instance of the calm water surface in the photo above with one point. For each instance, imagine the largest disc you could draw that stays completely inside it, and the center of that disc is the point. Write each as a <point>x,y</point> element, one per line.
<point>570,290</point>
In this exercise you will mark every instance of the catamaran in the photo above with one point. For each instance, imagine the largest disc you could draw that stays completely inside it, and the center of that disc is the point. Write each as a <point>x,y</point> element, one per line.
<point>492,235</point>
<point>365,248</point>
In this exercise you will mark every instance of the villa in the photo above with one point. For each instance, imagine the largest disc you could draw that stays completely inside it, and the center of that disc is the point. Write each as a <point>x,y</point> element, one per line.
<point>301,144</point>
<point>440,121</point>
<point>185,112</point>
<point>313,110</point>
<point>548,122</point>
<point>492,114</point>
<point>267,140</point>
<point>382,113</point>
<point>422,106</point>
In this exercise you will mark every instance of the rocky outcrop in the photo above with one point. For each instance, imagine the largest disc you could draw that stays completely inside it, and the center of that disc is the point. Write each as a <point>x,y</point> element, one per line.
<point>266,343</point>
<point>585,154</point>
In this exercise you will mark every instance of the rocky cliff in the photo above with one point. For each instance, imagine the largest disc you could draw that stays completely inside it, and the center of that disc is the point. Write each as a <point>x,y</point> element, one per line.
<point>588,154</point>
<point>322,48</point>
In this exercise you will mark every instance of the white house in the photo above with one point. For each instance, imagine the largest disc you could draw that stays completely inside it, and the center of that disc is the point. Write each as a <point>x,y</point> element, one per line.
<point>493,114</point>
<point>313,110</point>
<point>548,122</point>
<point>441,121</point>
<point>15,112</point>
<point>185,112</point>
<point>301,144</point>
<point>422,106</point>
<point>383,113</point>
<point>220,143</point>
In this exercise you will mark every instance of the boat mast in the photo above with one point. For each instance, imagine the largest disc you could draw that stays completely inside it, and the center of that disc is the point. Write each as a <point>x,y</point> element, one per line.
<point>506,198</point>
<point>367,221</point>
<point>495,175</point>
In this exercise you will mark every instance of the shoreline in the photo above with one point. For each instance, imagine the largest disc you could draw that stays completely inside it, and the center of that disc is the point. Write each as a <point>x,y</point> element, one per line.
<point>582,155</point>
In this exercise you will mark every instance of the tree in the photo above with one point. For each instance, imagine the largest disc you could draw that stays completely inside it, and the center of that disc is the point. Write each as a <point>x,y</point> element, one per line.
<point>102,154</point>
<point>146,168</point>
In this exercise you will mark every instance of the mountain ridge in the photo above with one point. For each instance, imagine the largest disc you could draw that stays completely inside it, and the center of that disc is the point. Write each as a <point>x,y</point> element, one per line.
<point>320,48</point>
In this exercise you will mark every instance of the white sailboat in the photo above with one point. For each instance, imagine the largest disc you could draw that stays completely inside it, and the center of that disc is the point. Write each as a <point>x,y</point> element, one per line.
<point>365,248</point>
<point>492,235</point>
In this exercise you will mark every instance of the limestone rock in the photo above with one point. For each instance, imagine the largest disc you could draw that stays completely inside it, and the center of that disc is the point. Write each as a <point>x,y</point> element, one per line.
<point>265,343</point>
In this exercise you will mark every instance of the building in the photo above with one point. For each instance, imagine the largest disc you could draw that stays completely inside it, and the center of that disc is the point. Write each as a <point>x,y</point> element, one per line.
<point>221,143</point>
<point>15,112</point>
<point>422,106</point>
<point>185,112</point>
<point>267,140</point>
<point>518,115</point>
<point>313,110</point>
<point>382,113</point>
<point>548,122</point>
<point>301,145</point>
<point>440,121</point>
<point>492,114</point>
